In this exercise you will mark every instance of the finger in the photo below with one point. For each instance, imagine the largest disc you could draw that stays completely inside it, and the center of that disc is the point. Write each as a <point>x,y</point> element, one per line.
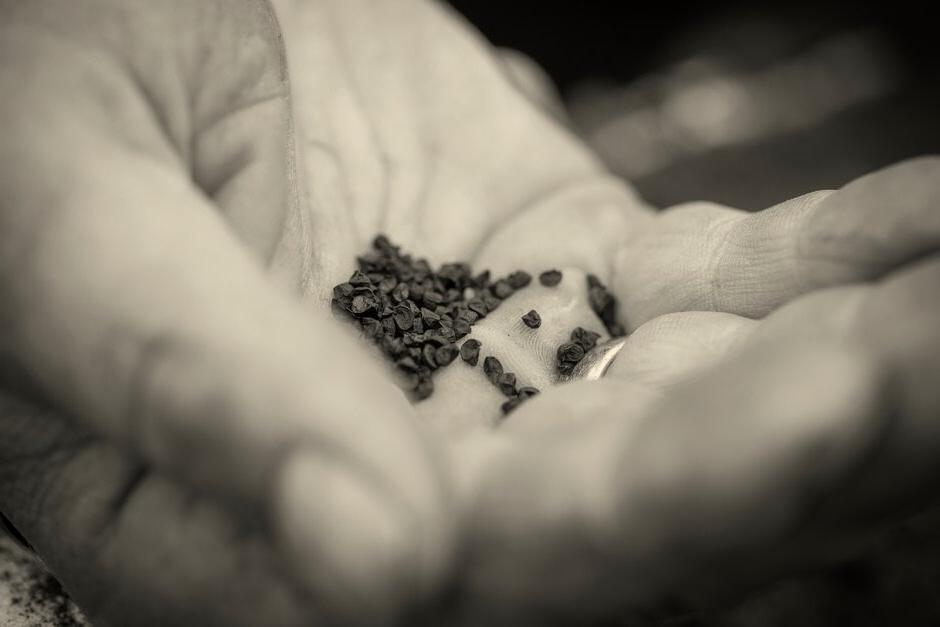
<point>634,514</point>
<point>534,82</point>
<point>712,258</point>
<point>130,547</point>
<point>898,320</point>
<point>672,347</point>
<point>130,305</point>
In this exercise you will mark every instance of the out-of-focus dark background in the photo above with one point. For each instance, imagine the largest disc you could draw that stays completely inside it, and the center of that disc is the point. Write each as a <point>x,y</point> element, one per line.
<point>751,104</point>
<point>736,102</point>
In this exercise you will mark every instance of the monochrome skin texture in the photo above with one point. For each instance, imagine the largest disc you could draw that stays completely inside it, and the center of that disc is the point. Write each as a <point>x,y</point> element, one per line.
<point>187,437</point>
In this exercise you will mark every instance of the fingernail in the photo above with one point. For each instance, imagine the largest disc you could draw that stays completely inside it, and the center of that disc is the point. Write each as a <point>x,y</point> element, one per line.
<point>347,541</point>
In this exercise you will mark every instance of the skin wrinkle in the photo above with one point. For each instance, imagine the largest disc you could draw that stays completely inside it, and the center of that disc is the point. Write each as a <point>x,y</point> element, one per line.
<point>298,203</point>
<point>37,470</point>
<point>722,230</point>
<point>235,163</point>
<point>102,52</point>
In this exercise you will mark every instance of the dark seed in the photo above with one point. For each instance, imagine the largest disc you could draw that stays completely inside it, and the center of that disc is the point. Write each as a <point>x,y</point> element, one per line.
<point>550,278</point>
<point>482,280</point>
<point>343,291</point>
<point>470,352</point>
<point>600,300</point>
<point>446,354</point>
<point>461,327</point>
<point>570,352</point>
<point>392,346</point>
<point>506,383</point>
<point>532,319</point>
<point>424,388</point>
<point>431,319</point>
<point>428,352</point>
<point>469,317</point>
<point>477,306</point>
<point>391,329</point>
<point>586,339</point>
<point>381,243</point>
<point>436,339</point>
<point>362,304</point>
<point>432,298</point>
<point>359,279</point>
<point>401,293</point>
<point>407,363</point>
<point>447,332</point>
<point>404,318</point>
<point>492,368</point>
<point>519,279</point>
<point>527,392</point>
<point>491,302</point>
<point>502,289</point>
<point>566,367</point>
<point>387,284</point>
<point>511,405</point>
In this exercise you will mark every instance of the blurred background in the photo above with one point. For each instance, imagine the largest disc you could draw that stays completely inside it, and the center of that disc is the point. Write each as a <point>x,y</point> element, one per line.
<point>750,105</point>
<point>731,101</point>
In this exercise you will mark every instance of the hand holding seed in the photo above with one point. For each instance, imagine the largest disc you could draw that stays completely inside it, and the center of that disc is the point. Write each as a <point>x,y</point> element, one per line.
<point>180,427</point>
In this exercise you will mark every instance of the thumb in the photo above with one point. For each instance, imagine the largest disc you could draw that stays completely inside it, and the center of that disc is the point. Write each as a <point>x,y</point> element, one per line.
<point>129,304</point>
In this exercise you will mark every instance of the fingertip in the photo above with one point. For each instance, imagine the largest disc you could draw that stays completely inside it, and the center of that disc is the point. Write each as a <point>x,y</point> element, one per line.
<point>362,554</point>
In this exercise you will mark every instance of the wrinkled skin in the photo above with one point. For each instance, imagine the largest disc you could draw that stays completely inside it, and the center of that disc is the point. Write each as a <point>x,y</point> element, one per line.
<point>168,416</point>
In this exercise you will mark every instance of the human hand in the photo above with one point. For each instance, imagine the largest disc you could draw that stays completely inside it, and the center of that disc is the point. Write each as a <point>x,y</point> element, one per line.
<point>774,406</point>
<point>182,439</point>
<point>548,498</point>
<point>394,104</point>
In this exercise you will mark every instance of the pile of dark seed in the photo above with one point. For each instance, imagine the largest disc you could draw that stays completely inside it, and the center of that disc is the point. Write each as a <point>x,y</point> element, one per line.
<point>416,314</point>
<point>506,382</point>
<point>604,305</point>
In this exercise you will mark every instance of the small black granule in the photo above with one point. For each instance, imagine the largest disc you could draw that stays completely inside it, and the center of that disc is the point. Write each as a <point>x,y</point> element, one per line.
<point>424,388</point>
<point>527,392</point>
<point>506,383</point>
<point>414,312</point>
<point>550,278</point>
<point>532,319</point>
<point>521,395</point>
<point>470,352</point>
<point>584,338</point>
<point>519,279</point>
<point>502,289</point>
<point>570,351</point>
<point>509,406</point>
<point>568,356</point>
<point>461,327</point>
<point>604,305</point>
<point>491,302</point>
<point>446,354</point>
<point>492,368</point>
<point>428,352</point>
<point>477,306</point>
